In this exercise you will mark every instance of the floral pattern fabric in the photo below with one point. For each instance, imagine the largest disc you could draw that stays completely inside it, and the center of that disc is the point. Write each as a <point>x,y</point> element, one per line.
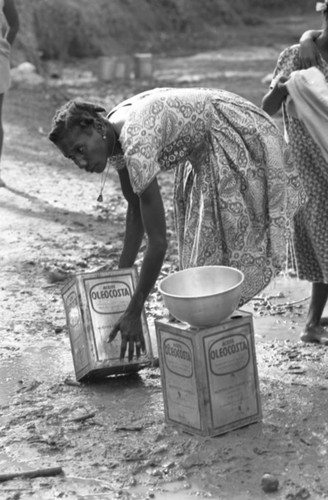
<point>235,185</point>
<point>311,220</point>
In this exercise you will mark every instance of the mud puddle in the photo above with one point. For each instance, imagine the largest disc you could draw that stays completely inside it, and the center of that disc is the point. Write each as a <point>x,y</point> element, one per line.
<point>279,312</point>
<point>52,361</point>
<point>176,490</point>
<point>48,361</point>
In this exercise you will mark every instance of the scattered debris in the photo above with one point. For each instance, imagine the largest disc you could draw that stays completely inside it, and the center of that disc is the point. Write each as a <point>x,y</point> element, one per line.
<point>135,428</point>
<point>269,483</point>
<point>53,471</point>
<point>71,382</point>
<point>83,418</point>
<point>264,305</point>
<point>58,275</point>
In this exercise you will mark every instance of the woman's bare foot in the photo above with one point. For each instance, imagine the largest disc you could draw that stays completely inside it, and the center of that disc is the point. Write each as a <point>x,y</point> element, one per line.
<point>316,334</point>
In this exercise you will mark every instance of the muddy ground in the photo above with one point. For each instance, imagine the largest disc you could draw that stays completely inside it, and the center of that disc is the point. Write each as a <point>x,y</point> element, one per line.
<point>110,438</point>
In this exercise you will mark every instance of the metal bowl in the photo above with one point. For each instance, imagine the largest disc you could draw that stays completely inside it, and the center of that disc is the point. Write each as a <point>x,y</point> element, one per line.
<point>202,296</point>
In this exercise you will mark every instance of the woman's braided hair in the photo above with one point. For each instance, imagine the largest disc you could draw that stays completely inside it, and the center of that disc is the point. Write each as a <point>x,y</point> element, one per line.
<point>70,115</point>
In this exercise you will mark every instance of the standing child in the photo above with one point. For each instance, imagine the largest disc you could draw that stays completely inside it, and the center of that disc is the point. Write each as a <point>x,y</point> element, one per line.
<point>9,17</point>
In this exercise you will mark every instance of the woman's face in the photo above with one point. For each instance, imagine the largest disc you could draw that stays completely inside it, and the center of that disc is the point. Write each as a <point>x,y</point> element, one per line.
<point>86,147</point>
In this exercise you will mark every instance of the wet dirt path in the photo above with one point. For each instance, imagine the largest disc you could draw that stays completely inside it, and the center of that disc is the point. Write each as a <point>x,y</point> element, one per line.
<point>110,438</point>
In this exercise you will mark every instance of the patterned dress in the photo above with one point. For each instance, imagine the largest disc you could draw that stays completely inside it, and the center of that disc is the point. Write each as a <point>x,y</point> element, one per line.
<point>232,180</point>
<point>311,220</point>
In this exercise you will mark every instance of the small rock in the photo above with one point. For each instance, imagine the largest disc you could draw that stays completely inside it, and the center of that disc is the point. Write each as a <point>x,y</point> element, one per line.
<point>25,73</point>
<point>169,465</point>
<point>26,67</point>
<point>269,483</point>
<point>16,496</point>
<point>302,494</point>
<point>159,437</point>
<point>57,275</point>
<point>156,473</point>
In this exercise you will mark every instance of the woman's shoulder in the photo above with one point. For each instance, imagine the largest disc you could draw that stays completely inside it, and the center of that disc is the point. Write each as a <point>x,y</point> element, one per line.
<point>137,99</point>
<point>290,53</point>
<point>289,60</point>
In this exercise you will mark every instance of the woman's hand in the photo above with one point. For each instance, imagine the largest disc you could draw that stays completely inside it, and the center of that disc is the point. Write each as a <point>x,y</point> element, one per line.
<point>273,100</point>
<point>309,53</point>
<point>281,86</point>
<point>131,334</point>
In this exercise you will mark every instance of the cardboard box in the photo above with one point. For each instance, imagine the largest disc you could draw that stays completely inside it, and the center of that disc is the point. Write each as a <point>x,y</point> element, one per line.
<point>209,376</point>
<point>93,303</point>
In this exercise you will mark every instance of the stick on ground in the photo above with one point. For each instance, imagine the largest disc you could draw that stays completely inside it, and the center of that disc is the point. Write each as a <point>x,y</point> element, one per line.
<point>52,471</point>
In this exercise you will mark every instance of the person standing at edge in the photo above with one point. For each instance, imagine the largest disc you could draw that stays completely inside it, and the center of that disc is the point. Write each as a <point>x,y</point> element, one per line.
<point>314,43</point>
<point>311,220</point>
<point>230,186</point>
<point>9,17</point>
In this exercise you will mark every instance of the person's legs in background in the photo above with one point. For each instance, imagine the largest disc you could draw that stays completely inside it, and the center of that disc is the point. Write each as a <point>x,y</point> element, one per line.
<point>314,331</point>
<point>2,184</point>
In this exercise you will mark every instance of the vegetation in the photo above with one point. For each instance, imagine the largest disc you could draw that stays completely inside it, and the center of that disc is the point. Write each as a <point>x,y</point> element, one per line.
<point>80,28</point>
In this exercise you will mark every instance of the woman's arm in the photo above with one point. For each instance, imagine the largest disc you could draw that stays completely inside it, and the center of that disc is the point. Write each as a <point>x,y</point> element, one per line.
<point>273,100</point>
<point>309,53</point>
<point>153,218</point>
<point>134,229</point>
<point>11,15</point>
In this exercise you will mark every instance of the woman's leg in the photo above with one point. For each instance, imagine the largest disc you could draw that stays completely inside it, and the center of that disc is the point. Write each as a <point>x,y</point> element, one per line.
<point>313,331</point>
<point>2,184</point>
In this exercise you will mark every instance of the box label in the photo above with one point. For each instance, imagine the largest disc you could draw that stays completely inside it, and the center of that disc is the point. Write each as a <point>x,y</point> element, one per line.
<point>229,354</point>
<point>178,357</point>
<point>231,376</point>
<point>108,297</point>
<point>179,380</point>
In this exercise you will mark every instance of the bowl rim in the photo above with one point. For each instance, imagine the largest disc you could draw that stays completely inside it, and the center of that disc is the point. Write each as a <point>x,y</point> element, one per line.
<point>242,276</point>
